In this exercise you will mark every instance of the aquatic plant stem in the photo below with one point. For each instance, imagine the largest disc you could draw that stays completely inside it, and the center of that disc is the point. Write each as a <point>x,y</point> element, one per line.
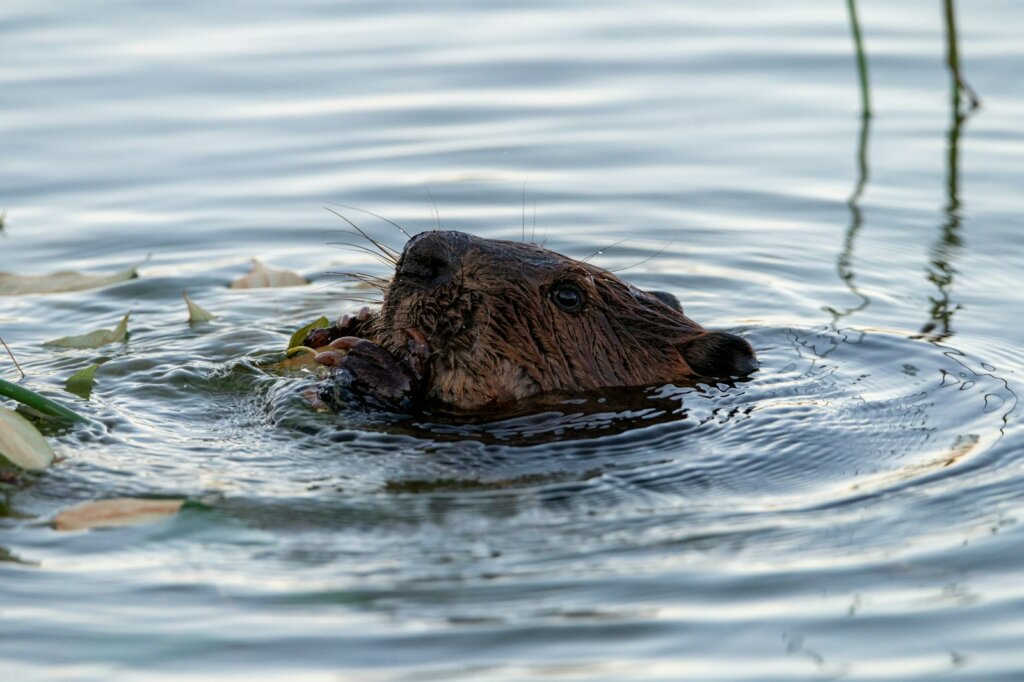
<point>862,61</point>
<point>13,359</point>
<point>953,59</point>
<point>38,402</point>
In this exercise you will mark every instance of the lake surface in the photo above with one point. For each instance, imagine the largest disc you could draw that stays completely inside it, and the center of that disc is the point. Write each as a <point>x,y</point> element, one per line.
<point>852,511</point>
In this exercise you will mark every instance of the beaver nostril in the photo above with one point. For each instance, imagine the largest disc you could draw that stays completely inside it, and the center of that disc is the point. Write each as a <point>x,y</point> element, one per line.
<point>426,261</point>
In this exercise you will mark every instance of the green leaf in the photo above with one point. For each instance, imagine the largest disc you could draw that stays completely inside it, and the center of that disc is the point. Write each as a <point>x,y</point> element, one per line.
<point>94,339</point>
<point>80,383</point>
<point>21,443</point>
<point>56,282</point>
<point>299,336</point>
<point>196,313</point>
<point>38,402</point>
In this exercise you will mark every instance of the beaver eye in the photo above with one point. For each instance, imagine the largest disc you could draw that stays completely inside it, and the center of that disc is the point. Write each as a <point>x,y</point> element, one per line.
<point>568,297</point>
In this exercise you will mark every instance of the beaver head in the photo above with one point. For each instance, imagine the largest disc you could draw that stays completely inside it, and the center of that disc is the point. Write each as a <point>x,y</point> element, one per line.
<point>507,320</point>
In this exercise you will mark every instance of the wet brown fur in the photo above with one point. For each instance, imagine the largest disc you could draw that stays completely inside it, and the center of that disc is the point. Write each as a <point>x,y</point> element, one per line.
<point>495,334</point>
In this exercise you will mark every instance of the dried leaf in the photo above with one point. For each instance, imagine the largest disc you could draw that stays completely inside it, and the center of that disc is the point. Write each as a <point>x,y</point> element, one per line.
<point>196,313</point>
<point>13,285</point>
<point>95,339</point>
<point>80,383</point>
<point>261,277</point>
<point>120,511</point>
<point>299,336</point>
<point>21,442</point>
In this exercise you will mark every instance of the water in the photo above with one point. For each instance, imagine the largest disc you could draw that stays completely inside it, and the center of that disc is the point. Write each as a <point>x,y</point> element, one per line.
<point>852,511</point>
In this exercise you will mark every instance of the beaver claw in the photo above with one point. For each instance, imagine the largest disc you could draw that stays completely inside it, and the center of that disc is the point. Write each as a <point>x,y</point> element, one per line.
<point>365,374</point>
<point>347,325</point>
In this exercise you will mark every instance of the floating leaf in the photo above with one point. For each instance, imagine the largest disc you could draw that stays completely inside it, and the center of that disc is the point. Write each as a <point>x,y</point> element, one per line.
<point>37,402</point>
<point>95,339</point>
<point>13,285</point>
<point>80,383</point>
<point>299,336</point>
<point>261,277</point>
<point>196,313</point>
<point>21,442</point>
<point>119,511</point>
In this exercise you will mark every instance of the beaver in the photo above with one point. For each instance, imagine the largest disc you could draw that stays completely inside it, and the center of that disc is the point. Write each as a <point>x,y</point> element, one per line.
<point>468,323</point>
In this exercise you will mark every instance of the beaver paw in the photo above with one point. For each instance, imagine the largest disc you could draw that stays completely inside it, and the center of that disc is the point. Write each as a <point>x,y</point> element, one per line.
<point>347,325</point>
<point>368,375</point>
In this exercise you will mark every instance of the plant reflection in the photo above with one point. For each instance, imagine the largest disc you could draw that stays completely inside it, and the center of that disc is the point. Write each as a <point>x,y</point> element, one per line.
<point>844,264</point>
<point>940,271</point>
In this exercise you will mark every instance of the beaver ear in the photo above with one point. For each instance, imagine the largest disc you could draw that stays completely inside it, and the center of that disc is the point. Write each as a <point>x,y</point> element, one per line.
<point>719,355</point>
<point>668,299</point>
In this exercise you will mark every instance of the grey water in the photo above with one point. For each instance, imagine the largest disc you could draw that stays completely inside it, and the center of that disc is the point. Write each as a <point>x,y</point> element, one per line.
<point>851,512</point>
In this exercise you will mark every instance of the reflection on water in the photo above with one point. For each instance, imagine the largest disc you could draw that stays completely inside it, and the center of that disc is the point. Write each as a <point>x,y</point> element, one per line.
<point>844,263</point>
<point>941,271</point>
<point>850,510</point>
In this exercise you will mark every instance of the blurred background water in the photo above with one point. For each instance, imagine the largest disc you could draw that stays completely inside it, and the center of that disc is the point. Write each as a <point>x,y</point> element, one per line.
<point>851,512</point>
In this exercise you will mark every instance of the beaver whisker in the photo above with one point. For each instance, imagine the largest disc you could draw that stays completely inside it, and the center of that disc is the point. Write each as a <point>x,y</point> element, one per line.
<point>375,215</point>
<point>437,214</point>
<point>649,258</point>
<point>603,249</point>
<point>524,210</point>
<point>373,285</point>
<point>372,280</point>
<point>350,296</point>
<point>346,246</point>
<point>386,250</point>
<point>390,259</point>
<point>533,230</point>
<point>355,298</point>
<point>366,298</point>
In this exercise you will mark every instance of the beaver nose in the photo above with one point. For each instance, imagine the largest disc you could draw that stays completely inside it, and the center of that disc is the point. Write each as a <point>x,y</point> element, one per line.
<point>718,354</point>
<point>429,258</point>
